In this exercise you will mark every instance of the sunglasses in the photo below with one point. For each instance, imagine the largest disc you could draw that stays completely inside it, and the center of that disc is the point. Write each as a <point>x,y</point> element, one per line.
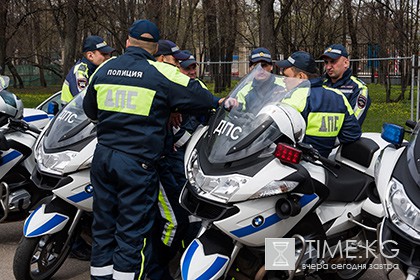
<point>263,64</point>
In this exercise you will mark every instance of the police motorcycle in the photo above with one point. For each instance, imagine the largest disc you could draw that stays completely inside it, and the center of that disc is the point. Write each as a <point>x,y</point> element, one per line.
<point>250,179</point>
<point>397,176</point>
<point>63,156</point>
<point>19,128</point>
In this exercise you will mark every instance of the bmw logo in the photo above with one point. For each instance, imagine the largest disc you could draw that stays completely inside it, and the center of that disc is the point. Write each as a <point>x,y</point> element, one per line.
<point>89,189</point>
<point>257,221</point>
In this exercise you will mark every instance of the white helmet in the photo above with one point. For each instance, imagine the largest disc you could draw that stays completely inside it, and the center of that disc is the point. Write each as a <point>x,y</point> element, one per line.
<point>10,105</point>
<point>289,120</point>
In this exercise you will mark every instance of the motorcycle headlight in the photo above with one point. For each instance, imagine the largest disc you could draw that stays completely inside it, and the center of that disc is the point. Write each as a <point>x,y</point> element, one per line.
<point>275,187</point>
<point>53,163</point>
<point>221,187</point>
<point>402,212</point>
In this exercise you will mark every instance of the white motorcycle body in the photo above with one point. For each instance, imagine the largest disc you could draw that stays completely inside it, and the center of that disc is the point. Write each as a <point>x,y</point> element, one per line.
<point>398,181</point>
<point>18,194</point>
<point>236,188</point>
<point>76,189</point>
<point>63,155</point>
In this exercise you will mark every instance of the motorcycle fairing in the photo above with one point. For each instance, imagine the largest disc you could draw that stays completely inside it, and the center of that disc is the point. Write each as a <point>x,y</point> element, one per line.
<point>240,227</point>
<point>78,197</point>
<point>204,267</point>
<point>41,223</point>
<point>395,242</point>
<point>8,160</point>
<point>78,191</point>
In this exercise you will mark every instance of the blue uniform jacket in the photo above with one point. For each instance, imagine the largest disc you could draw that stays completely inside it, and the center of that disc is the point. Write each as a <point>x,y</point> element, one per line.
<point>132,96</point>
<point>77,79</point>
<point>328,116</point>
<point>356,92</point>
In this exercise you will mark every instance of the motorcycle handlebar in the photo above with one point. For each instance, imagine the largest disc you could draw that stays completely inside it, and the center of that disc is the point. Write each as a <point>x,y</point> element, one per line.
<point>328,162</point>
<point>21,124</point>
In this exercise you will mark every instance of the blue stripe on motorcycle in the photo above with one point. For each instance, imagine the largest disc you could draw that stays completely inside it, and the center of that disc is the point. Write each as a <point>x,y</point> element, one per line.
<point>28,221</point>
<point>271,220</point>
<point>35,118</point>
<point>52,223</point>
<point>80,196</point>
<point>210,272</point>
<point>187,260</point>
<point>9,157</point>
<point>213,269</point>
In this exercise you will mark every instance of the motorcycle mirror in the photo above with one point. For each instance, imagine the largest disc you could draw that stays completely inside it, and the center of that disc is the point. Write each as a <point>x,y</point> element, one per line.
<point>411,124</point>
<point>52,108</point>
<point>4,144</point>
<point>392,133</point>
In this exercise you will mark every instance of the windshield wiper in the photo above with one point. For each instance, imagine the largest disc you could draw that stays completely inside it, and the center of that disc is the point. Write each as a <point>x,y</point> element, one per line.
<point>250,138</point>
<point>75,130</point>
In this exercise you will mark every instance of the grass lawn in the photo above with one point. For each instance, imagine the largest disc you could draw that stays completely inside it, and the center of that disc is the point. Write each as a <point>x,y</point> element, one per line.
<point>379,111</point>
<point>32,96</point>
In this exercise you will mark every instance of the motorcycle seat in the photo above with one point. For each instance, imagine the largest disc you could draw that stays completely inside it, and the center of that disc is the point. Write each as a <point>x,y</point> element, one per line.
<point>360,151</point>
<point>350,185</point>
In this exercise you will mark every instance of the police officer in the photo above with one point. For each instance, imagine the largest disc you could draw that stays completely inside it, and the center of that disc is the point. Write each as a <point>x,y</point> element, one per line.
<point>95,51</point>
<point>169,52</point>
<point>262,83</point>
<point>327,112</point>
<point>338,75</point>
<point>172,225</point>
<point>189,122</point>
<point>131,98</point>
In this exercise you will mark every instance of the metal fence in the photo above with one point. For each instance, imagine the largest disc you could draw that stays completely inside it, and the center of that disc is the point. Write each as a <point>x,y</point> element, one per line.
<point>396,71</point>
<point>401,71</point>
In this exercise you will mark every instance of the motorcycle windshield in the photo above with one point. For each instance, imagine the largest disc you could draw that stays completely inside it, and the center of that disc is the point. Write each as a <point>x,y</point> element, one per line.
<point>4,82</point>
<point>413,154</point>
<point>249,121</point>
<point>70,127</point>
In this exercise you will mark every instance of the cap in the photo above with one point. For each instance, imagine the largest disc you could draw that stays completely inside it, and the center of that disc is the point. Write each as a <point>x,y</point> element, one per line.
<point>189,61</point>
<point>142,26</point>
<point>167,47</point>
<point>260,54</point>
<point>335,51</point>
<point>93,43</point>
<point>300,59</point>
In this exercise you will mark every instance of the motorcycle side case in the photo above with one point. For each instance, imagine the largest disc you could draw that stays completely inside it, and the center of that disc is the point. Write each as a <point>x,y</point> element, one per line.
<point>40,222</point>
<point>207,257</point>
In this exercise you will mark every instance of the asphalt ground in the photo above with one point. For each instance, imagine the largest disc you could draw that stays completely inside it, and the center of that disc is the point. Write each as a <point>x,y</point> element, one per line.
<point>10,234</point>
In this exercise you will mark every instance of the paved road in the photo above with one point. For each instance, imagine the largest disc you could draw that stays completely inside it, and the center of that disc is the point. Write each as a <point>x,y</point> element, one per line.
<point>10,235</point>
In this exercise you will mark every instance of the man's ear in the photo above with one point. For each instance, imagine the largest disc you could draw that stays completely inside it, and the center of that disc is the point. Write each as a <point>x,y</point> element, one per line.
<point>347,63</point>
<point>302,76</point>
<point>89,55</point>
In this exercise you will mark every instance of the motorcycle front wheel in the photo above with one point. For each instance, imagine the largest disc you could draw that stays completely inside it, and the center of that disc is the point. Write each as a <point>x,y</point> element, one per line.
<point>39,258</point>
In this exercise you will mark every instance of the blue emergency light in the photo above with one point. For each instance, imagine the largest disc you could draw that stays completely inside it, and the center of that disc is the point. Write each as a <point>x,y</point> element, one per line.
<point>392,133</point>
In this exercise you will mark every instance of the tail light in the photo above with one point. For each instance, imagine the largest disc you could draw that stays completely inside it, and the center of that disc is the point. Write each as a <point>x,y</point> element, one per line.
<point>287,154</point>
